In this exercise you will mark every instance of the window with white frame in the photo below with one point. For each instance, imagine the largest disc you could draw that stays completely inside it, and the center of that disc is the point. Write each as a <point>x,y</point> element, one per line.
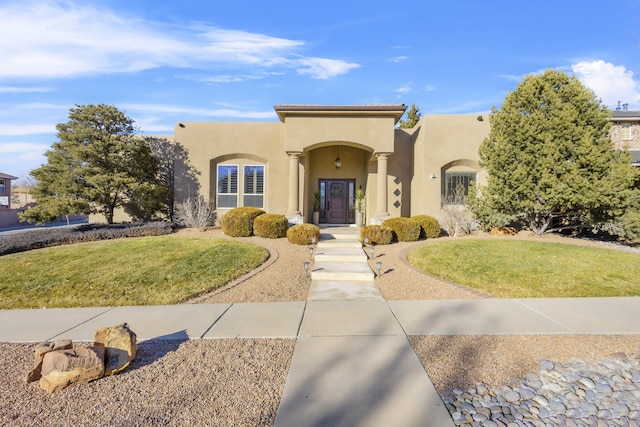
<point>625,131</point>
<point>227,196</point>
<point>240,185</point>
<point>253,186</point>
<point>457,185</point>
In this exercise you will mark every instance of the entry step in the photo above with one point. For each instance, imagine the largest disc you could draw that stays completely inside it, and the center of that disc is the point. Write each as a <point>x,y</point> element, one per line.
<point>343,271</point>
<point>340,254</point>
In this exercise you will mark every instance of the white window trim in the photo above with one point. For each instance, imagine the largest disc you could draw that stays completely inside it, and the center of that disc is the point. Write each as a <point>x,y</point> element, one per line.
<point>240,193</point>
<point>264,183</point>
<point>238,184</point>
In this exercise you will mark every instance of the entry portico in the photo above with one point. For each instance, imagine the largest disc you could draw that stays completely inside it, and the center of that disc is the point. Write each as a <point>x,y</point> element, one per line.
<point>360,137</point>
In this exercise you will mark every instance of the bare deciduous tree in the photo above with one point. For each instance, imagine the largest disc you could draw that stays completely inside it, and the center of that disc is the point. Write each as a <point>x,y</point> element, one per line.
<point>456,218</point>
<point>194,212</point>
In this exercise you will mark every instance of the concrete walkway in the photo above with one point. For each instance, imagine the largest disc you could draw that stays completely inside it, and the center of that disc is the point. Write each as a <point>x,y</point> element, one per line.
<point>353,364</point>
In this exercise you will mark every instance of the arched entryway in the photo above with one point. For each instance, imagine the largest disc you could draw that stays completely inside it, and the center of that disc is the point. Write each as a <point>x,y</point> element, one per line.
<point>336,171</point>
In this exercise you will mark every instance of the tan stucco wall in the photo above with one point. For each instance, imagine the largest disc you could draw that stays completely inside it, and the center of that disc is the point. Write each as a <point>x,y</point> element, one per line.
<point>307,131</point>
<point>211,143</point>
<point>442,141</point>
<point>438,142</point>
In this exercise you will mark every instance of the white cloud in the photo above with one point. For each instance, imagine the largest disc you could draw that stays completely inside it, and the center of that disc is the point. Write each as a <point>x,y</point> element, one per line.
<point>322,68</point>
<point>145,109</point>
<point>405,88</point>
<point>28,129</point>
<point>17,89</point>
<point>22,148</point>
<point>227,78</point>
<point>18,158</point>
<point>611,83</point>
<point>399,58</point>
<point>49,39</point>
<point>430,88</point>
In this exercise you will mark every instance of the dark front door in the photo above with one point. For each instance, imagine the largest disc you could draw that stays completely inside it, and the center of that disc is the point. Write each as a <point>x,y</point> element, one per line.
<point>337,202</point>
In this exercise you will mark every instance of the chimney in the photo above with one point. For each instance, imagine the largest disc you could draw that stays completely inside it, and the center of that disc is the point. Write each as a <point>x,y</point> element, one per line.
<point>618,107</point>
<point>625,107</point>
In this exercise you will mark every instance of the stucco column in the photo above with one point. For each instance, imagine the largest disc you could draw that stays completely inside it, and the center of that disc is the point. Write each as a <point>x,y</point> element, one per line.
<point>382,211</point>
<point>294,185</point>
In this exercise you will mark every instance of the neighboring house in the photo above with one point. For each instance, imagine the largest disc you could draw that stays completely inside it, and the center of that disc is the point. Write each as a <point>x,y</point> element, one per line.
<point>8,216</point>
<point>21,197</point>
<point>277,166</point>
<point>5,190</point>
<point>625,131</point>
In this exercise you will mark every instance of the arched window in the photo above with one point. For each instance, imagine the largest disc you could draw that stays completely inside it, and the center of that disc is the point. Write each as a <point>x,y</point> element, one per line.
<point>458,178</point>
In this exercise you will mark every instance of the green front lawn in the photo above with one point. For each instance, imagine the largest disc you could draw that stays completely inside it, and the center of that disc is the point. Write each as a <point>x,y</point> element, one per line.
<point>138,271</point>
<point>530,269</point>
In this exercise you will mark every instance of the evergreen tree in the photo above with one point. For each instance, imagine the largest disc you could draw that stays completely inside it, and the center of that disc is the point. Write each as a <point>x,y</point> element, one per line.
<point>97,165</point>
<point>550,160</point>
<point>413,117</point>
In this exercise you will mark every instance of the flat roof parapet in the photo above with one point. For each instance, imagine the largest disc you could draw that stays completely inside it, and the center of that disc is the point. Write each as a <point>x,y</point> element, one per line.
<point>395,110</point>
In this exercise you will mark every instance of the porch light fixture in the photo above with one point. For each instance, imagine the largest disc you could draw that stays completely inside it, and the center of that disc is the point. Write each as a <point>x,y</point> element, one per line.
<point>310,252</point>
<point>372,250</point>
<point>313,240</point>
<point>338,162</point>
<point>306,268</point>
<point>378,267</point>
<point>366,241</point>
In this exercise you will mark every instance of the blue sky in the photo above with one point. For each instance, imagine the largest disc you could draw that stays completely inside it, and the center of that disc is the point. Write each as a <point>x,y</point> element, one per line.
<point>162,62</point>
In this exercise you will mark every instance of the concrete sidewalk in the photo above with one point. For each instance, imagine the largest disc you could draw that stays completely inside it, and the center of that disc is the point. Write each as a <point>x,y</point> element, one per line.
<point>490,316</point>
<point>353,365</point>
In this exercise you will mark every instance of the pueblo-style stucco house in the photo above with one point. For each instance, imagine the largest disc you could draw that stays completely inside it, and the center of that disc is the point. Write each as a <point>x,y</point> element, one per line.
<point>277,166</point>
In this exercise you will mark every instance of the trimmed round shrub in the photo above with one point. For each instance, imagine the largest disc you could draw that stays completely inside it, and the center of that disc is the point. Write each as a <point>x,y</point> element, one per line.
<point>429,226</point>
<point>377,234</point>
<point>271,226</point>
<point>238,222</point>
<point>404,229</point>
<point>301,234</point>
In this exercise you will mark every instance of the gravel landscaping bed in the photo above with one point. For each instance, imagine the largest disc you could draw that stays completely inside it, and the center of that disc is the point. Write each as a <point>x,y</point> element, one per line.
<point>234,382</point>
<point>240,381</point>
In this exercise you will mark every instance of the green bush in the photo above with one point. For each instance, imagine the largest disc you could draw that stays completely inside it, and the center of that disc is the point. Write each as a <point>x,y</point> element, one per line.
<point>404,229</point>
<point>631,224</point>
<point>238,222</point>
<point>429,226</point>
<point>271,226</point>
<point>377,234</point>
<point>301,234</point>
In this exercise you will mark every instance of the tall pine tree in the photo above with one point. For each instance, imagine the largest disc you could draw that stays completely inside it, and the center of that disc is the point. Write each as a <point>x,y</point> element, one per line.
<point>550,160</point>
<point>97,166</point>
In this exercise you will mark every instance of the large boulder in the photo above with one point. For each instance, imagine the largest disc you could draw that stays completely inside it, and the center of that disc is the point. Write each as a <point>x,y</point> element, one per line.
<point>119,343</point>
<point>63,368</point>
<point>36,373</point>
